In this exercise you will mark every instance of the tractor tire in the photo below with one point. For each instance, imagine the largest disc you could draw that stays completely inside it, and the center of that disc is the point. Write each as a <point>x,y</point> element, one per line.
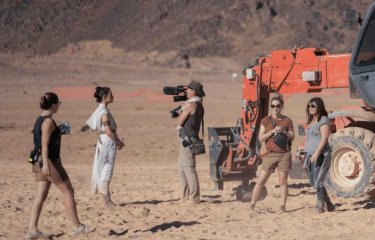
<point>352,165</point>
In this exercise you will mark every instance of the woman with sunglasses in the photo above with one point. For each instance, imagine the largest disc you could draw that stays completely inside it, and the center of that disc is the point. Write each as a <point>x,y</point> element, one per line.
<point>318,151</point>
<point>47,169</point>
<point>277,156</point>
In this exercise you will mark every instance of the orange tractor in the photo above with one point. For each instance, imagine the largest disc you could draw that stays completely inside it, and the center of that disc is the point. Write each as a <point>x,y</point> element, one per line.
<point>235,151</point>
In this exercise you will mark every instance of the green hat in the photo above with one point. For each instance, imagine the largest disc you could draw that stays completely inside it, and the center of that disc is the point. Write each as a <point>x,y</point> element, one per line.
<point>197,87</point>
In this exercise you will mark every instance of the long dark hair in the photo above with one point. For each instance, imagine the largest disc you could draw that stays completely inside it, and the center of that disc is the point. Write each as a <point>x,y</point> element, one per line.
<point>321,110</point>
<point>47,100</point>
<point>101,92</point>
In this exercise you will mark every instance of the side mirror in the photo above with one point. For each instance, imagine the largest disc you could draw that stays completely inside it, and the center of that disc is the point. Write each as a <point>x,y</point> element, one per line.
<point>351,16</point>
<point>301,130</point>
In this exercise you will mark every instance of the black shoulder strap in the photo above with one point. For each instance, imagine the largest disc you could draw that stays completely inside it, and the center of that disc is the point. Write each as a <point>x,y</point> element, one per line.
<point>202,121</point>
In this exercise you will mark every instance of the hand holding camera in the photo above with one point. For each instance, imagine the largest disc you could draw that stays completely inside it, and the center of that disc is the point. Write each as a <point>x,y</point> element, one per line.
<point>179,93</point>
<point>175,112</point>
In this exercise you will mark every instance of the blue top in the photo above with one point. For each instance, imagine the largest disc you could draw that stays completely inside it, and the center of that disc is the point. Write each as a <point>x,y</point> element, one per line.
<point>314,136</point>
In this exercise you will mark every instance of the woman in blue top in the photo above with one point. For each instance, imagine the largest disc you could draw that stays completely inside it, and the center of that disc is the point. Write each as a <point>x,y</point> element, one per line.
<point>318,151</point>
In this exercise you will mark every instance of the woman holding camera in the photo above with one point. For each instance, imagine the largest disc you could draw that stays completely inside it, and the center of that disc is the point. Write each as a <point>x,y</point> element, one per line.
<point>277,132</point>
<point>48,169</point>
<point>189,122</point>
<point>107,145</point>
<point>318,151</point>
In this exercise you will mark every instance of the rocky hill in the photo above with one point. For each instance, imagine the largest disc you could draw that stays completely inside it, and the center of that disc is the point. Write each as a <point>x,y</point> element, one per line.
<point>231,28</point>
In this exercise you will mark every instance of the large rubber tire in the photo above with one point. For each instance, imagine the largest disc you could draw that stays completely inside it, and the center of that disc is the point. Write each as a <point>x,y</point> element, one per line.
<point>352,165</point>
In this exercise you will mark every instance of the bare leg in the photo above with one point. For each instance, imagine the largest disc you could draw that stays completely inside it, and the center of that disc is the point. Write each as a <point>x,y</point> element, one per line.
<point>260,183</point>
<point>283,179</point>
<point>67,190</point>
<point>41,195</point>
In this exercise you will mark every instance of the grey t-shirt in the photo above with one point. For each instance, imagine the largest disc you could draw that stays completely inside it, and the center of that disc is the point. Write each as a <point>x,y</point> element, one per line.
<point>314,136</point>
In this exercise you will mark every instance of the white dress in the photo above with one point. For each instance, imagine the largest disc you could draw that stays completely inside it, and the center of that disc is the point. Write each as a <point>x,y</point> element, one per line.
<point>105,153</point>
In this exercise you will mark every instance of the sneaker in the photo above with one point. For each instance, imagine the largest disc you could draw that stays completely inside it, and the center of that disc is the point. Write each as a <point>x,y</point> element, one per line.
<point>181,201</point>
<point>36,234</point>
<point>330,206</point>
<point>82,229</point>
<point>190,203</point>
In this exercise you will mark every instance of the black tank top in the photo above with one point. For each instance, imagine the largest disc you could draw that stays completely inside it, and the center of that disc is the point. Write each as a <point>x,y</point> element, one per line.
<point>54,142</point>
<point>193,123</point>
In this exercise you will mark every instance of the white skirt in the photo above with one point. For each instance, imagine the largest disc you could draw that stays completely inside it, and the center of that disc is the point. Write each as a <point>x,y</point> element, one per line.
<point>104,162</point>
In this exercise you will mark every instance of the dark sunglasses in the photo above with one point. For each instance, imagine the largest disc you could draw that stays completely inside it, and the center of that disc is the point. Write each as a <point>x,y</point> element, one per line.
<point>311,105</point>
<point>275,106</point>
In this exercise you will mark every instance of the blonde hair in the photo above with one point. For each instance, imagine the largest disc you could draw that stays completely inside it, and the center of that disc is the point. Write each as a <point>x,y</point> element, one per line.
<point>279,98</point>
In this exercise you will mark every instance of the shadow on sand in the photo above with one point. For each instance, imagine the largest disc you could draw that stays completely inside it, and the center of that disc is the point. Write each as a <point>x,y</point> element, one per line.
<point>154,202</point>
<point>114,233</point>
<point>165,226</point>
<point>368,203</point>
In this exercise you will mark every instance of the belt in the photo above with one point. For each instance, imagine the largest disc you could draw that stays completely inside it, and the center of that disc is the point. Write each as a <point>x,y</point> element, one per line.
<point>102,132</point>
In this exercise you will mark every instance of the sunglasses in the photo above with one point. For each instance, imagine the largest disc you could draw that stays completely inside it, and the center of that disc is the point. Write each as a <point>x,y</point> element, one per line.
<point>311,105</point>
<point>275,106</point>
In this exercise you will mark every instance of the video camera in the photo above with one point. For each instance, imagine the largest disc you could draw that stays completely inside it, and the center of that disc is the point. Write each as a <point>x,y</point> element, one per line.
<point>176,91</point>
<point>179,95</point>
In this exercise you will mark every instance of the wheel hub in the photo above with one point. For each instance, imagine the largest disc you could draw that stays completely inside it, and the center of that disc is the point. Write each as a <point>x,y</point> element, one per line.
<point>349,164</point>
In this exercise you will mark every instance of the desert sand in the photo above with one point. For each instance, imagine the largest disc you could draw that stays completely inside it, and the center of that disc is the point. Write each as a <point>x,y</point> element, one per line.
<point>145,184</point>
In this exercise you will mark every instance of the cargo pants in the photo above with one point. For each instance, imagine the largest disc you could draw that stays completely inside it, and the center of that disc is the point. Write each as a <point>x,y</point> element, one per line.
<point>187,175</point>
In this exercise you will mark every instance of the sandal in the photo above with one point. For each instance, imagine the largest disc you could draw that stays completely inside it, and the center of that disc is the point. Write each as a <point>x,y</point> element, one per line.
<point>110,204</point>
<point>252,206</point>
<point>82,229</point>
<point>36,234</point>
<point>282,208</point>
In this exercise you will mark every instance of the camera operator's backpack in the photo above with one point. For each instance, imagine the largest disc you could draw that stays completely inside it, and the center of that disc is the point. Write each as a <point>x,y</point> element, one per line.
<point>196,144</point>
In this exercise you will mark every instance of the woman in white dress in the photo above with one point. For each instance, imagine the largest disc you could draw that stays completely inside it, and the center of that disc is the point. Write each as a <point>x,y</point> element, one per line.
<point>107,145</point>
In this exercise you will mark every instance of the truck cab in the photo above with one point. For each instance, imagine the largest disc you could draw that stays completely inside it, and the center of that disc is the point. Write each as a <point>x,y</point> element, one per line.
<point>362,62</point>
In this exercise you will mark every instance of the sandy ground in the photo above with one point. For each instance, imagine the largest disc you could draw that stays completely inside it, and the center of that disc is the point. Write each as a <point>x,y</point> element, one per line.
<point>145,184</point>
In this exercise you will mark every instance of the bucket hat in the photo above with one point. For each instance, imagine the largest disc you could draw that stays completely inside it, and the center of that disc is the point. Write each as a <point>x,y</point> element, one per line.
<point>197,87</point>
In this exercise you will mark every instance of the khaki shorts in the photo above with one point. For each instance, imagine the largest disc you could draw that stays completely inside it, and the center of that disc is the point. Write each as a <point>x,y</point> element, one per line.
<point>57,173</point>
<point>281,161</point>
